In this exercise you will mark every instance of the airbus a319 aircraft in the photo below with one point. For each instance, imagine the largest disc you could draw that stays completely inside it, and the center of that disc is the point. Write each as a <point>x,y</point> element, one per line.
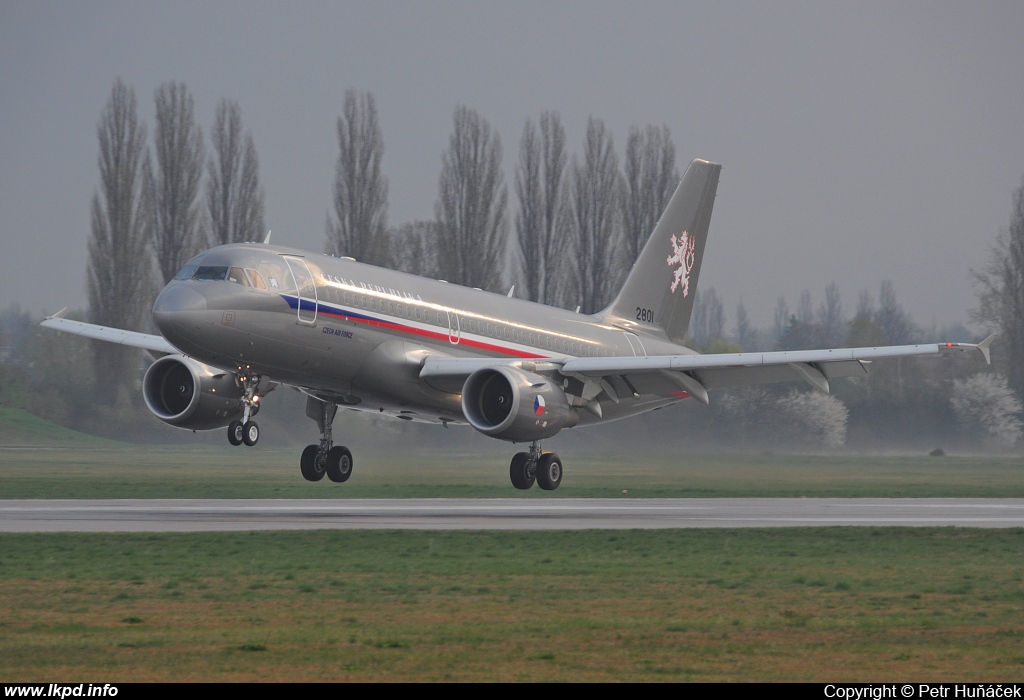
<point>240,319</point>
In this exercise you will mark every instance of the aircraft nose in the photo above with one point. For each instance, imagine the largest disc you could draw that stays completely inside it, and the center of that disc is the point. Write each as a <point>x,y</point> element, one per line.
<point>179,297</point>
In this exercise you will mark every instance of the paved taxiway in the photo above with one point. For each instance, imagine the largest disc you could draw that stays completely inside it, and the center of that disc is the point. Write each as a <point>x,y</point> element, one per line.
<point>165,515</point>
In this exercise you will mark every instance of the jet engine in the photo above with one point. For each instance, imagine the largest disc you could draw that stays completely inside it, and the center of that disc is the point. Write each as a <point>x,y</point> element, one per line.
<point>188,394</point>
<point>511,404</point>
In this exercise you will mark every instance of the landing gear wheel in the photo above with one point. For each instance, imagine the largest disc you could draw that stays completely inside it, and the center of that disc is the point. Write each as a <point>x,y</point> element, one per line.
<point>235,432</point>
<point>339,464</point>
<point>549,471</point>
<point>519,471</point>
<point>250,433</point>
<point>309,464</point>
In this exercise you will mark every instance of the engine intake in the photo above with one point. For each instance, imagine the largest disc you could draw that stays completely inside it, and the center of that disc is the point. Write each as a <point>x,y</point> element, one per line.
<point>511,404</point>
<point>188,394</point>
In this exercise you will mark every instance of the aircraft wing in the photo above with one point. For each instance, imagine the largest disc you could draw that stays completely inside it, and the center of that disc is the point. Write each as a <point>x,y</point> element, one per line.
<point>695,374</point>
<point>152,343</point>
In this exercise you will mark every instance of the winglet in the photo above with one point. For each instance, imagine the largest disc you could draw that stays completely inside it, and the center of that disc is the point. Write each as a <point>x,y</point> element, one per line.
<point>266,241</point>
<point>986,348</point>
<point>59,314</point>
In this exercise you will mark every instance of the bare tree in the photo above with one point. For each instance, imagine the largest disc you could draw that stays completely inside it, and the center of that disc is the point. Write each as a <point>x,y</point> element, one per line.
<point>471,203</point>
<point>746,335</point>
<point>541,233</point>
<point>708,321</point>
<point>597,188</point>
<point>651,178</point>
<point>830,318</point>
<point>414,248</point>
<point>804,309</point>
<point>1000,287</point>
<point>174,189</point>
<point>359,226</point>
<point>895,323</point>
<point>118,277</point>
<point>865,305</point>
<point>780,318</point>
<point>234,197</point>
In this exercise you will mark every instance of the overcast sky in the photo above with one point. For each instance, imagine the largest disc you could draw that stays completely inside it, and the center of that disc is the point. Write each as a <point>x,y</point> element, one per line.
<point>860,141</point>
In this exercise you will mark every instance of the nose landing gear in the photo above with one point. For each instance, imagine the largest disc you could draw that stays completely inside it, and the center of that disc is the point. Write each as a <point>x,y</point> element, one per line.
<point>246,430</point>
<point>542,468</point>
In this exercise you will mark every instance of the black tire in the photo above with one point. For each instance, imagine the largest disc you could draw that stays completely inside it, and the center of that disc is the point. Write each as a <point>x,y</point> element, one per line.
<point>519,471</point>
<point>235,432</point>
<point>339,464</point>
<point>549,471</point>
<point>250,433</point>
<point>308,464</point>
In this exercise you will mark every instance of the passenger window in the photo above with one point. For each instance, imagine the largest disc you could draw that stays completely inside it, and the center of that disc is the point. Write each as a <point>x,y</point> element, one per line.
<point>255,279</point>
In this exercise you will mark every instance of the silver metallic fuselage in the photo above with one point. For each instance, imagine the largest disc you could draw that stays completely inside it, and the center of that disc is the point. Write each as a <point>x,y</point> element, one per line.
<point>357,334</point>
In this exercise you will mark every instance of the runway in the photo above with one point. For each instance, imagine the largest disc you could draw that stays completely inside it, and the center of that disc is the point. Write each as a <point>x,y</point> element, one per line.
<point>194,515</point>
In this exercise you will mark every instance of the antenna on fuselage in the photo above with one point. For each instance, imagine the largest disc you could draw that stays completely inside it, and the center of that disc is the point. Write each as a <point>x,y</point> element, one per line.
<point>266,241</point>
<point>511,291</point>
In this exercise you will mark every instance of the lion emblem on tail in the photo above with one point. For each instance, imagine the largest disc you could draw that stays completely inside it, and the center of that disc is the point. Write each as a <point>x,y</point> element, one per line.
<point>683,247</point>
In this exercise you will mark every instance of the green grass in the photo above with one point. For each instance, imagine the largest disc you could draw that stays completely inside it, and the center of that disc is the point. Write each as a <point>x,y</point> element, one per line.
<point>837,604</point>
<point>21,428</point>
<point>225,472</point>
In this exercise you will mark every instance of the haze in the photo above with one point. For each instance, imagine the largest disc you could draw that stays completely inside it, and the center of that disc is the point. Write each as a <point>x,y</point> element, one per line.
<point>860,141</point>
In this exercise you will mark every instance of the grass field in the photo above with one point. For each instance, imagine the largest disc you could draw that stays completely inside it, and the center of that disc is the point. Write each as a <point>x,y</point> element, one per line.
<point>224,472</point>
<point>805,604</point>
<point>863,604</point>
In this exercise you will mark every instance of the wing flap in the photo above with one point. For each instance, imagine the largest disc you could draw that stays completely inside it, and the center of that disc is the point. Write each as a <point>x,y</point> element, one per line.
<point>694,373</point>
<point>819,358</point>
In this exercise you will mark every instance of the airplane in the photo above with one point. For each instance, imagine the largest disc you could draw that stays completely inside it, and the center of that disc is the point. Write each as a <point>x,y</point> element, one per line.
<point>240,319</point>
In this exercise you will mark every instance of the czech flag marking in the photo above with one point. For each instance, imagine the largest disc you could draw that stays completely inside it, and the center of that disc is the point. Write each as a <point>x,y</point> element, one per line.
<point>538,405</point>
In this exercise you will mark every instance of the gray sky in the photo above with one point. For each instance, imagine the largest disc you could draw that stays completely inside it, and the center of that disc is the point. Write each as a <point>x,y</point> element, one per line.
<point>860,141</point>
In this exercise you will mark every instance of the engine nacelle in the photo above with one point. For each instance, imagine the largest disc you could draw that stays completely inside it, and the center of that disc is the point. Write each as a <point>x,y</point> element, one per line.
<point>188,394</point>
<point>515,405</point>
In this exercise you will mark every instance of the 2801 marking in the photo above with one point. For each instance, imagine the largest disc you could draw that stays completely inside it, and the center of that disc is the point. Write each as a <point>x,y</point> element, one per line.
<point>645,315</point>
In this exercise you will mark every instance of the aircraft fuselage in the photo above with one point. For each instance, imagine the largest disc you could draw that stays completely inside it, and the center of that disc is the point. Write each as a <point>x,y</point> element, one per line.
<point>357,334</point>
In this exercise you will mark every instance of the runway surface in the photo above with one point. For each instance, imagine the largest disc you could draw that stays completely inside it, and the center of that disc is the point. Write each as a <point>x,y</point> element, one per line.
<point>190,515</point>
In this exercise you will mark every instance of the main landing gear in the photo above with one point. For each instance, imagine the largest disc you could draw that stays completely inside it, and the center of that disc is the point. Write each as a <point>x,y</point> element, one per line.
<point>544,468</point>
<point>325,458</point>
<point>246,430</point>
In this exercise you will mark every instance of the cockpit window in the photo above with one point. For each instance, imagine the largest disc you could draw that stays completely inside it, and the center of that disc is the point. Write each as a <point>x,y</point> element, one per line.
<point>186,272</point>
<point>256,279</point>
<point>236,275</point>
<point>210,273</point>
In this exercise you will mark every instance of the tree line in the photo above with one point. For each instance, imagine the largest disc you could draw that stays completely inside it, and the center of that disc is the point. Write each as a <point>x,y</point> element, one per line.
<point>151,212</point>
<point>573,214</point>
<point>577,223</point>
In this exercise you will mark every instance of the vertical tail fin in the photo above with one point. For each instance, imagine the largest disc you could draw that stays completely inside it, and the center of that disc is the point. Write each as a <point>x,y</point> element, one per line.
<point>660,288</point>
